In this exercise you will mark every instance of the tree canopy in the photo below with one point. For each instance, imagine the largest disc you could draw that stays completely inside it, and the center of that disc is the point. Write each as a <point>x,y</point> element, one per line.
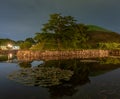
<point>65,33</point>
<point>62,32</point>
<point>6,41</point>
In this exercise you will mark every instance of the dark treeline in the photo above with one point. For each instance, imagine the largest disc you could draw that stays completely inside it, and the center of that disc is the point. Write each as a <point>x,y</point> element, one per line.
<point>6,41</point>
<point>64,32</point>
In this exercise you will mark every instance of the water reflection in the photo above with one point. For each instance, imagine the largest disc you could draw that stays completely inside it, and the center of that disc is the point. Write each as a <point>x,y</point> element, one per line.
<point>41,76</point>
<point>109,60</point>
<point>3,58</point>
<point>79,78</point>
<point>26,64</point>
<point>10,58</point>
<point>61,77</point>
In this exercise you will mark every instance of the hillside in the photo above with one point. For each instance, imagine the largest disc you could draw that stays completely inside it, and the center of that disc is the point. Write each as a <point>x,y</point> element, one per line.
<point>97,28</point>
<point>95,35</point>
<point>104,36</point>
<point>98,34</point>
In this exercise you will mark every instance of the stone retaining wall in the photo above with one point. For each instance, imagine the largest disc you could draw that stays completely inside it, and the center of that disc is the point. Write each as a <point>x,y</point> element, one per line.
<point>48,55</point>
<point>6,52</point>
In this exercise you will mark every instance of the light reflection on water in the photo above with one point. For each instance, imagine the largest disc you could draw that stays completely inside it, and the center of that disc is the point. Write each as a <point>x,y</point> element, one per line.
<point>94,80</point>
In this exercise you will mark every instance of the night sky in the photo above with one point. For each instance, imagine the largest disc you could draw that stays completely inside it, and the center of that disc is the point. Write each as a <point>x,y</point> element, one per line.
<point>20,19</point>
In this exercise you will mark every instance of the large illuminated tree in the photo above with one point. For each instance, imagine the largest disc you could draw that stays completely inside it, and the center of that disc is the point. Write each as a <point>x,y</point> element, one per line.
<point>64,30</point>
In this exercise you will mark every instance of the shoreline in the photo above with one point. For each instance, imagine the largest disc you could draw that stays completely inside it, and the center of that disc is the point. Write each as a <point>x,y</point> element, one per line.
<point>49,55</point>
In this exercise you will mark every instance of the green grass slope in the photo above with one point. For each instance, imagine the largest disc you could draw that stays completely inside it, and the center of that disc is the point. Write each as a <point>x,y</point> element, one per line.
<point>101,36</point>
<point>97,28</point>
<point>98,34</point>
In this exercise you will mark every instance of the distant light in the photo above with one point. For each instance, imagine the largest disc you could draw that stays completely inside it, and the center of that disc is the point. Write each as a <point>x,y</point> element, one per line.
<point>10,45</point>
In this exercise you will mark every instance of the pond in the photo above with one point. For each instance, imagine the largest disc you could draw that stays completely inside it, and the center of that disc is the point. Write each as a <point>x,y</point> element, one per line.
<point>60,79</point>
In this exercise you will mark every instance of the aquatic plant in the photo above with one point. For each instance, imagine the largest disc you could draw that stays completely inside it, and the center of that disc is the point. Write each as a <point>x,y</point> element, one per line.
<point>41,76</point>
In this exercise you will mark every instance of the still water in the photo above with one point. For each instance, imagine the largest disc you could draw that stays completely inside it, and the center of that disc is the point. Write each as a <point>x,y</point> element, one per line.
<point>61,79</point>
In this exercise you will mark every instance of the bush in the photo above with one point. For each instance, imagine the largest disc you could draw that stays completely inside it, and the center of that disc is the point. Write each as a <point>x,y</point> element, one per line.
<point>25,45</point>
<point>109,45</point>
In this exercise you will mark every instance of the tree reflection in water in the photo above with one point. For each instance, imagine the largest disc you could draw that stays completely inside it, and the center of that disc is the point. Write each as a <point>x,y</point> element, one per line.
<point>26,64</point>
<point>61,77</point>
<point>41,76</point>
<point>80,77</point>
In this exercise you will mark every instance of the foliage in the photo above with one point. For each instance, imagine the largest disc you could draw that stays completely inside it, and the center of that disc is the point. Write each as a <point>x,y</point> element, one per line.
<point>6,41</point>
<point>28,43</point>
<point>31,40</point>
<point>38,46</point>
<point>96,37</point>
<point>19,42</point>
<point>25,45</point>
<point>109,45</point>
<point>62,32</point>
<point>58,24</point>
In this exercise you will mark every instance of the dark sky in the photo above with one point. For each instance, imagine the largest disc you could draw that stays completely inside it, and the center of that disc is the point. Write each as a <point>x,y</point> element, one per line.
<point>20,19</point>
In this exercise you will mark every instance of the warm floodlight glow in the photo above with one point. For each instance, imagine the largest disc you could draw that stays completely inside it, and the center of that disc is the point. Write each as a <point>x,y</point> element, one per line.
<point>10,45</point>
